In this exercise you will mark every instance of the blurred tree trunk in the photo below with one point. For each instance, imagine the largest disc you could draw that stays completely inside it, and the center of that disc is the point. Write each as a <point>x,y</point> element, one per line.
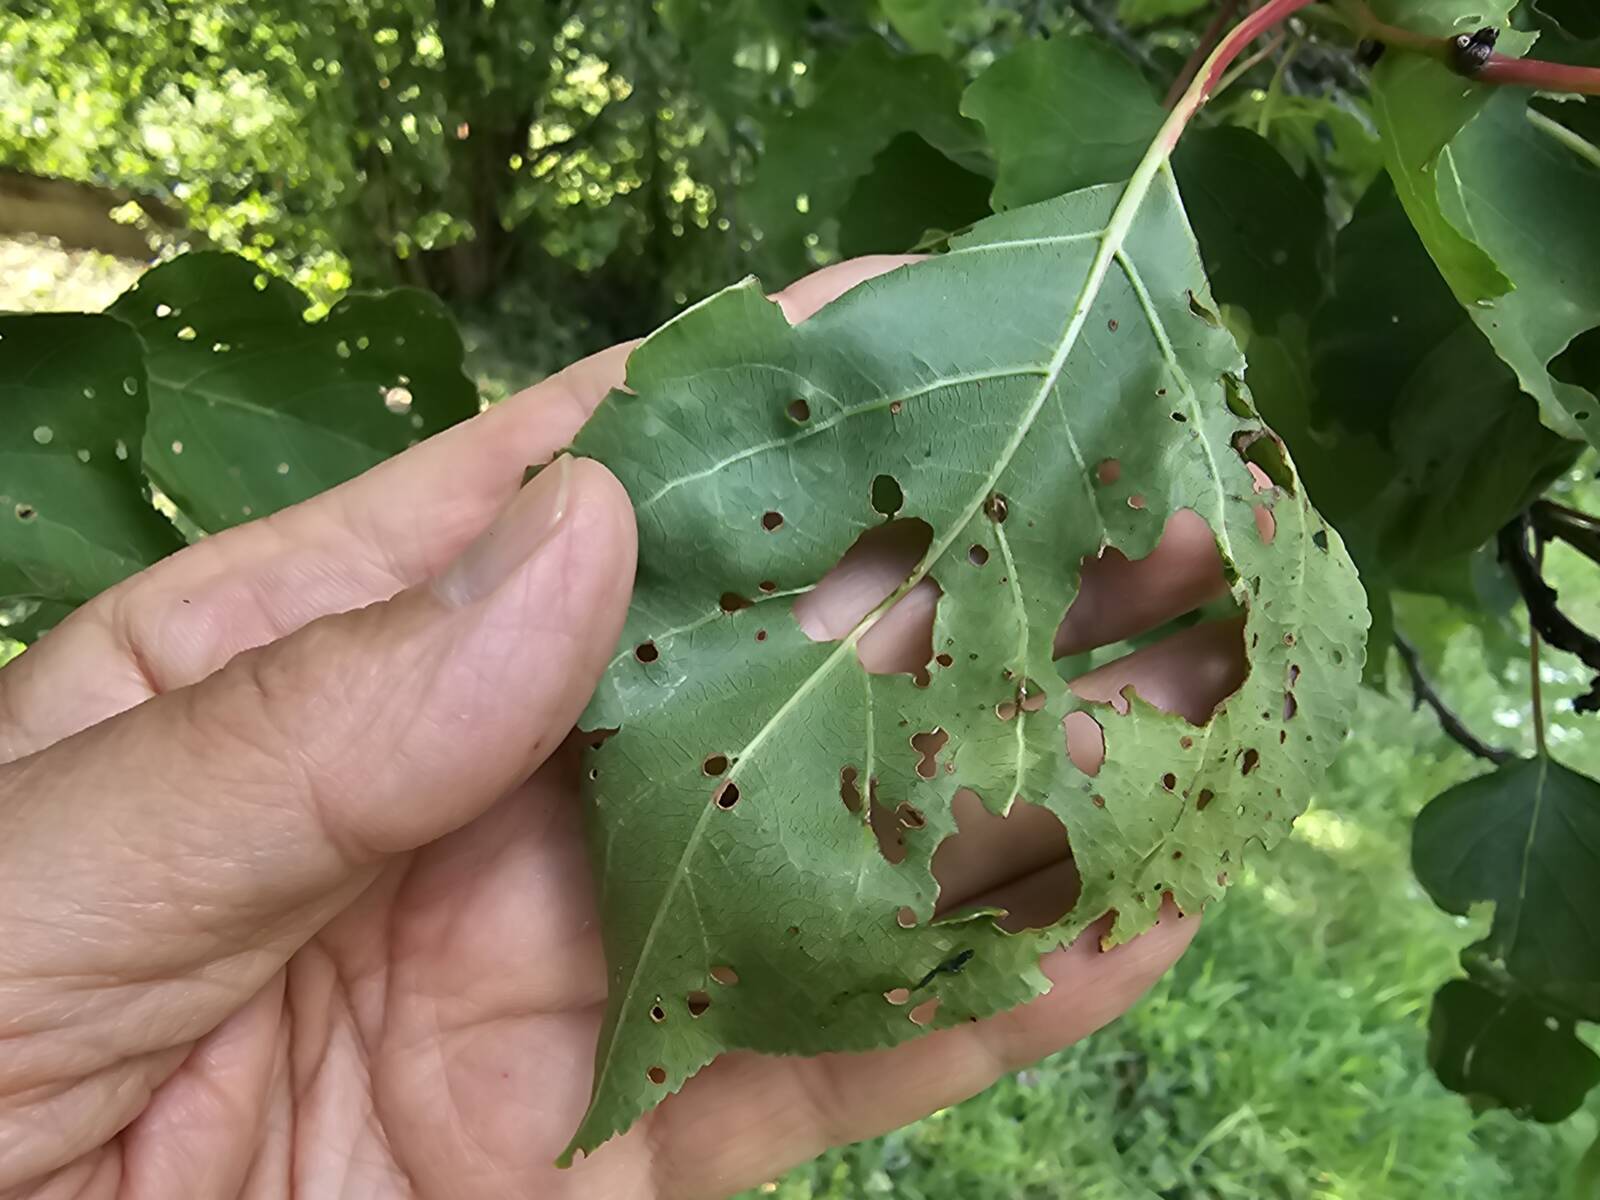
<point>78,215</point>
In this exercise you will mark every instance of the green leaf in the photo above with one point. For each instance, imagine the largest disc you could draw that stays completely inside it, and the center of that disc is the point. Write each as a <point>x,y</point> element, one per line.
<point>928,26</point>
<point>1525,838</point>
<point>815,155</point>
<point>1531,202</point>
<point>1137,13</point>
<point>1506,1052</point>
<point>1062,114</point>
<point>911,190</point>
<point>253,408</point>
<point>990,385</point>
<point>1413,438</point>
<point>1262,230</point>
<point>74,515</point>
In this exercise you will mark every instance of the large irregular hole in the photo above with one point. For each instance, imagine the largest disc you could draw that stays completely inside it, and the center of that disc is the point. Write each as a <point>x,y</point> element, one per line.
<point>928,746</point>
<point>1086,742</point>
<point>1021,862</point>
<point>1119,597</point>
<point>1189,673</point>
<point>880,561</point>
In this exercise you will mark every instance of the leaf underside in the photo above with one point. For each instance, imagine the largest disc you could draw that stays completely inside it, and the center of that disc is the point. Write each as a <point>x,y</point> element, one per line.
<point>1049,341</point>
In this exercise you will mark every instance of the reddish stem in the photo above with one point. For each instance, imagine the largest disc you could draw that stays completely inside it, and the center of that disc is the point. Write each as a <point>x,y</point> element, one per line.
<point>1542,76</point>
<point>1208,39</point>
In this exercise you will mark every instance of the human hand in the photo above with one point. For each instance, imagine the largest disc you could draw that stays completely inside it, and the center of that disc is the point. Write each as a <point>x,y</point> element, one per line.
<point>293,896</point>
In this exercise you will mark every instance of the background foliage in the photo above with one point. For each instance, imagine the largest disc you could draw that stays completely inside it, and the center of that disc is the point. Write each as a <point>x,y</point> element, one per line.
<point>564,174</point>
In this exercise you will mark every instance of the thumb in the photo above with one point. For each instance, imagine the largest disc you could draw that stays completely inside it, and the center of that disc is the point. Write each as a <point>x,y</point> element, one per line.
<point>239,813</point>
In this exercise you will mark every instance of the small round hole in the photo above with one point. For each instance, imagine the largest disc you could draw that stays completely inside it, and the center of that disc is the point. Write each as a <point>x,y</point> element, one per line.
<point>724,975</point>
<point>1169,781</point>
<point>996,507</point>
<point>799,411</point>
<point>768,586</point>
<point>698,1002</point>
<point>772,521</point>
<point>977,556</point>
<point>732,602</point>
<point>897,995</point>
<point>657,1013</point>
<point>646,652</point>
<point>906,918</point>
<point>657,1075</point>
<point>715,764</point>
<point>727,795</point>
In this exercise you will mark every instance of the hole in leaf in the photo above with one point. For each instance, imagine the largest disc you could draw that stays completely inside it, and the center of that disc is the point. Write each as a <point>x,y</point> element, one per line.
<point>727,795</point>
<point>698,1002</point>
<point>906,918</point>
<point>724,975</point>
<point>1136,501</point>
<point>1294,674</point>
<point>1261,449</point>
<point>657,1013</point>
<point>1205,797</point>
<point>1266,524</point>
<point>897,996</point>
<point>772,521</point>
<point>1030,696</point>
<point>1319,539</point>
<point>761,635</point>
<point>658,1075</point>
<point>768,586</point>
<point>849,792</point>
<point>646,652</point>
<point>1169,781</point>
<point>1112,324</point>
<point>1204,313</point>
<point>887,498</point>
<point>715,764</point>
<point>1248,761</point>
<point>1021,862</point>
<point>886,826</point>
<point>923,1013</point>
<point>1086,742</point>
<point>977,555</point>
<point>26,512</point>
<point>732,602</point>
<point>944,660</point>
<point>799,411</point>
<point>1007,710</point>
<point>1290,706</point>
<point>996,508</point>
<point>1108,472</point>
<point>928,746</point>
<point>880,561</point>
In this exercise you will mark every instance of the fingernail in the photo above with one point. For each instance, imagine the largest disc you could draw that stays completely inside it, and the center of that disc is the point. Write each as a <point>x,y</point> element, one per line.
<point>531,519</point>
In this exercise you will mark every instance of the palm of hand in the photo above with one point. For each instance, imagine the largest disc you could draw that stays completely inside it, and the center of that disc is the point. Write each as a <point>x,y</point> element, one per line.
<point>416,1015</point>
